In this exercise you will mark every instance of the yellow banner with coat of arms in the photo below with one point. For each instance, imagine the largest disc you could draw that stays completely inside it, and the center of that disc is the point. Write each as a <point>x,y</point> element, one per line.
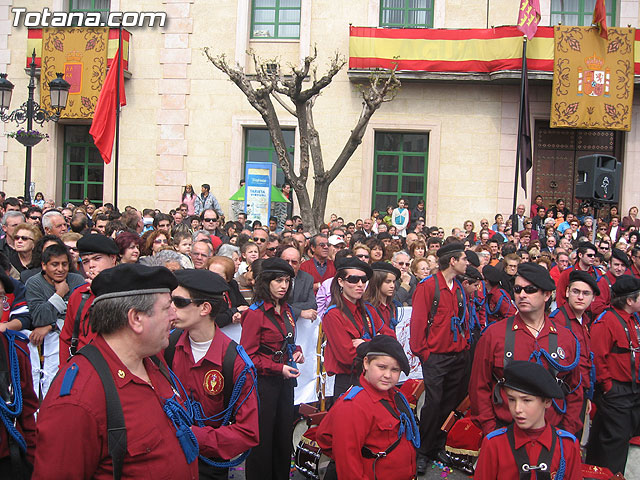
<point>592,78</point>
<point>81,54</point>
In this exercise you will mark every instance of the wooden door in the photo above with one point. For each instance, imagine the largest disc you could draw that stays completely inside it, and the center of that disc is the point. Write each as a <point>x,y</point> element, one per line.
<point>555,156</point>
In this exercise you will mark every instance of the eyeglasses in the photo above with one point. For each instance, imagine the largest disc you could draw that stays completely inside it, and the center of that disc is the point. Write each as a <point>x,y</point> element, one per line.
<point>528,289</point>
<point>403,264</point>
<point>535,257</point>
<point>354,279</point>
<point>158,241</point>
<point>604,248</point>
<point>272,249</point>
<point>24,239</point>
<point>181,302</point>
<point>363,256</point>
<point>584,293</point>
<point>322,245</point>
<point>288,224</point>
<point>258,239</point>
<point>590,255</point>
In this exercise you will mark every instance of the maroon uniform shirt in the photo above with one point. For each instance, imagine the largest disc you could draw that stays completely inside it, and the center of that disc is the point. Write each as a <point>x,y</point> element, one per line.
<point>496,462</point>
<point>440,338</point>
<point>488,366</point>
<point>600,302</point>
<point>72,429</point>
<point>26,422</point>
<point>507,308</point>
<point>611,347</point>
<point>364,421</point>
<point>85,334</point>
<point>340,331</point>
<point>205,383</point>
<point>258,330</point>
<point>310,267</point>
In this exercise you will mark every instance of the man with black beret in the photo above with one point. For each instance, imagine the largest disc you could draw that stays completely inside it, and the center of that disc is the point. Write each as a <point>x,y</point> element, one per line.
<point>576,316</point>
<point>535,445</point>
<point>118,371</point>
<point>619,265</point>
<point>615,340</point>
<point>440,339</point>
<point>528,334</point>
<point>586,254</point>
<point>97,253</point>
<point>208,364</point>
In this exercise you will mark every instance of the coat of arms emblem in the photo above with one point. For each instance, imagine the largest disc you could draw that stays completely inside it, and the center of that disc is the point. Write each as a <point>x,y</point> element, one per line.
<point>596,80</point>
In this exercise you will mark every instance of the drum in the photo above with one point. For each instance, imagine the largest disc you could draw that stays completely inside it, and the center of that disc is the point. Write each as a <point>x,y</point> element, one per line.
<point>309,459</point>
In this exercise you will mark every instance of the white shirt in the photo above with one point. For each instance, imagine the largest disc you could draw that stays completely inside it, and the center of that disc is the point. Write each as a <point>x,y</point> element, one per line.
<point>199,349</point>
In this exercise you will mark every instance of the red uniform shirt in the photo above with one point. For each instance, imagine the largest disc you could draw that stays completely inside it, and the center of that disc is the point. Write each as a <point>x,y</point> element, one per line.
<point>634,271</point>
<point>72,429</point>
<point>600,303</point>
<point>440,338</point>
<point>581,331</point>
<point>364,421</point>
<point>310,267</point>
<point>26,422</point>
<point>479,300</point>
<point>506,309</point>
<point>340,331</point>
<point>488,366</point>
<point>496,463</point>
<point>85,334</point>
<point>204,382</point>
<point>258,330</point>
<point>387,313</point>
<point>611,347</point>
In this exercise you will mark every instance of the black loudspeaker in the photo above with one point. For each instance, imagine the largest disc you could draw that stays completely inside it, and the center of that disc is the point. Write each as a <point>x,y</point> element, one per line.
<point>599,178</point>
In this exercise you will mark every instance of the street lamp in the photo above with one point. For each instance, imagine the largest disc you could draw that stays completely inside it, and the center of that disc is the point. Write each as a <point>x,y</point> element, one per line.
<point>30,111</point>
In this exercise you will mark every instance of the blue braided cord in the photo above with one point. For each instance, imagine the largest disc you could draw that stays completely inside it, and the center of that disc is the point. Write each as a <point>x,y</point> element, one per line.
<point>563,464</point>
<point>498,305</point>
<point>473,316</point>
<point>559,367</point>
<point>226,463</point>
<point>10,412</point>
<point>457,324</point>
<point>592,377</point>
<point>409,424</point>
<point>182,423</point>
<point>366,336</point>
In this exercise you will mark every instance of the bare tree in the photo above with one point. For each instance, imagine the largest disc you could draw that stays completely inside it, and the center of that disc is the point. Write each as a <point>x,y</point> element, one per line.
<point>270,84</point>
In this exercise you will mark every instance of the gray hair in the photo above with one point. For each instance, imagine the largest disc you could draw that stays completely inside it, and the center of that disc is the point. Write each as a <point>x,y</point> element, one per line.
<point>47,217</point>
<point>9,214</point>
<point>110,315</point>
<point>198,232</point>
<point>401,252</point>
<point>227,250</point>
<point>163,257</point>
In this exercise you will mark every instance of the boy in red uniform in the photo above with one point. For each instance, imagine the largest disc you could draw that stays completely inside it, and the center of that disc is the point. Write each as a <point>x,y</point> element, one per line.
<point>538,450</point>
<point>498,303</point>
<point>361,431</point>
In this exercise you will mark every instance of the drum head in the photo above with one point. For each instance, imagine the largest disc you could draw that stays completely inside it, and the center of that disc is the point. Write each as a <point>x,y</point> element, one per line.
<point>323,463</point>
<point>299,427</point>
<point>420,404</point>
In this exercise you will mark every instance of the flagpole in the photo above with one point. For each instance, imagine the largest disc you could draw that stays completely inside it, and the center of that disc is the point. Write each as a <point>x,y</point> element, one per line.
<point>117,156</point>
<point>519,141</point>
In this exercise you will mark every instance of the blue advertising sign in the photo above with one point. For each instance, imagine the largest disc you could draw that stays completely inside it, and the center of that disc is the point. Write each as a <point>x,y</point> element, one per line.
<point>259,177</point>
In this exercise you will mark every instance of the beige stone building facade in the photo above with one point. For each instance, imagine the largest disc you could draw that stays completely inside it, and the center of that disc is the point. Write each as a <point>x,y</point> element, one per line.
<point>184,122</point>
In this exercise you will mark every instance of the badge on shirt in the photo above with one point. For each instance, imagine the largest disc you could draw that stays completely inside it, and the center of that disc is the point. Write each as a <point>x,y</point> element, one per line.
<point>561,353</point>
<point>213,382</point>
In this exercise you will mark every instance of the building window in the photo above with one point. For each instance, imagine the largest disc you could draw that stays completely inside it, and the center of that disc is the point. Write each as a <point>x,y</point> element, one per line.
<point>101,6</point>
<point>406,13</point>
<point>275,19</point>
<point>400,168</point>
<point>259,148</point>
<point>580,12</point>
<point>83,170</point>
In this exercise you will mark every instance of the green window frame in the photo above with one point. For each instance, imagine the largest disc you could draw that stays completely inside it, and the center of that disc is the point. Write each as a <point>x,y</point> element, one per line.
<point>580,12</point>
<point>83,167</point>
<point>406,13</point>
<point>89,5</point>
<point>258,147</point>
<point>275,19</point>
<point>400,168</point>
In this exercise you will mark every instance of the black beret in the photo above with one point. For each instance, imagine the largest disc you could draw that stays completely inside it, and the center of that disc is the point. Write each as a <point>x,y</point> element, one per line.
<point>472,272</point>
<point>452,247</point>
<point>537,275</point>
<point>353,262</point>
<point>385,267</point>
<point>620,255</point>
<point>626,285</point>
<point>585,245</point>
<point>202,280</point>
<point>96,243</point>
<point>277,265</point>
<point>473,258</point>
<point>385,345</point>
<point>384,236</point>
<point>580,276</point>
<point>531,378</point>
<point>492,274</point>
<point>7,283</point>
<point>132,279</point>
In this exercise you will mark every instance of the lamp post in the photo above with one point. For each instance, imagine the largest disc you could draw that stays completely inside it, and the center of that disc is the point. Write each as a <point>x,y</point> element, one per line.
<point>30,111</point>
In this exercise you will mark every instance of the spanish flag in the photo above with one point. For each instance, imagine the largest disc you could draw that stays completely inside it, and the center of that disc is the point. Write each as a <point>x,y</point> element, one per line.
<point>600,18</point>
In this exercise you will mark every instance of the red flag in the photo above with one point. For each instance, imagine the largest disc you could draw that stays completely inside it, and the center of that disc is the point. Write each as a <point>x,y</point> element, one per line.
<point>103,127</point>
<point>600,18</point>
<point>529,17</point>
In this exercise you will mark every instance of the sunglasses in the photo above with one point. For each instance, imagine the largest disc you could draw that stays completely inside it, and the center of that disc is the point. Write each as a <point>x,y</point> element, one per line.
<point>209,219</point>
<point>322,245</point>
<point>354,279</point>
<point>35,217</point>
<point>258,239</point>
<point>160,240</point>
<point>590,255</point>
<point>20,237</point>
<point>528,289</point>
<point>403,264</point>
<point>362,256</point>
<point>181,302</point>
<point>272,249</point>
